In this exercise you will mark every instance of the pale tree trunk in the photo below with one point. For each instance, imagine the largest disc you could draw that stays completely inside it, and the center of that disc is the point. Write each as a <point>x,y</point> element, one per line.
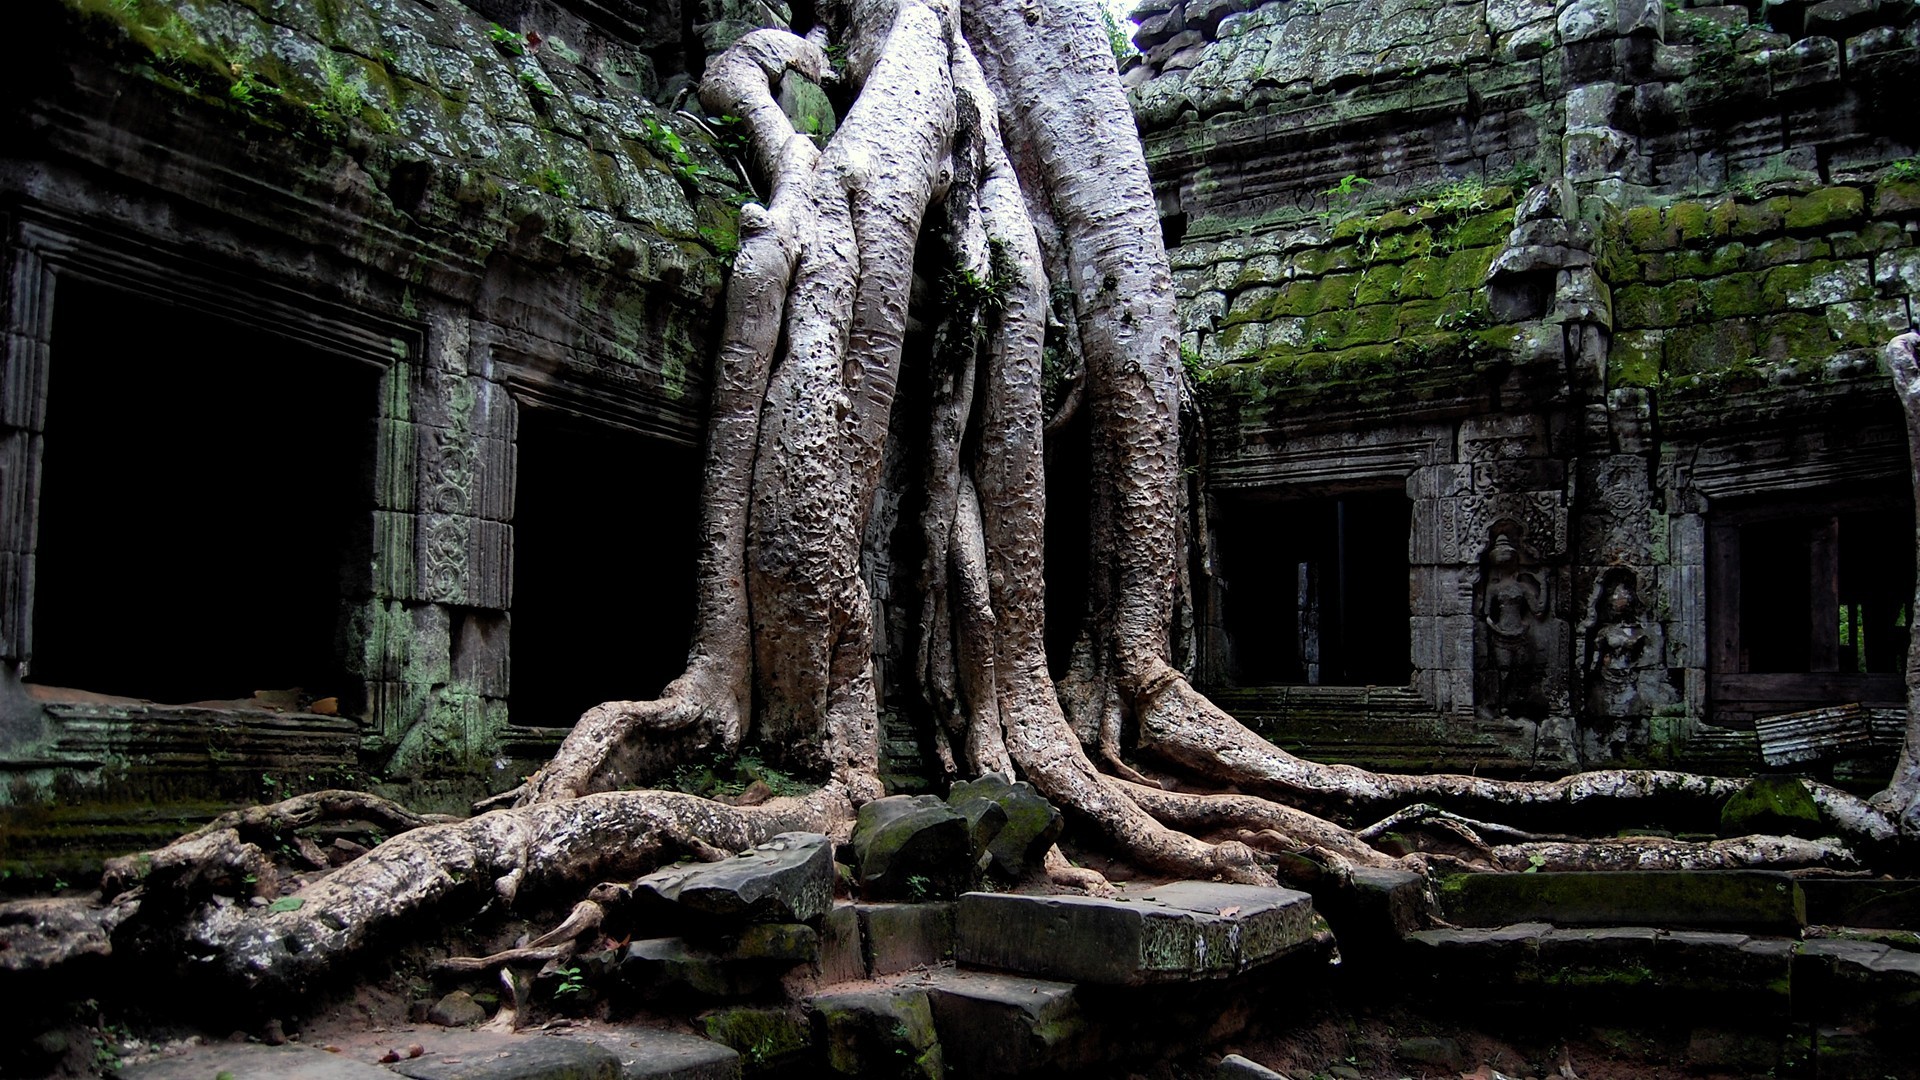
<point>1902,796</point>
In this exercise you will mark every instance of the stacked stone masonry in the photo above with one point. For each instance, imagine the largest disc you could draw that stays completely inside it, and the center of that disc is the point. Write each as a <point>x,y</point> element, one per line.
<point>1599,288</point>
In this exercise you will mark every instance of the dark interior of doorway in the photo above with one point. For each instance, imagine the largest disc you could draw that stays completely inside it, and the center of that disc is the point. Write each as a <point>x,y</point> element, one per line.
<point>1316,589</point>
<point>605,526</point>
<point>204,487</point>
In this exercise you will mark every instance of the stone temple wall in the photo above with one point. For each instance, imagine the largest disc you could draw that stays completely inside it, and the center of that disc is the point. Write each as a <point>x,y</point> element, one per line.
<point>492,208</point>
<point>1599,287</point>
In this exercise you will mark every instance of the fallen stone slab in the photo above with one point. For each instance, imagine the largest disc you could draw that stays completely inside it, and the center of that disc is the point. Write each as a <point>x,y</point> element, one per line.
<point>910,847</point>
<point>252,1061</point>
<point>652,1054</point>
<point>1012,825</point>
<point>477,1055</point>
<point>670,965</point>
<point>1007,1025</point>
<point>1756,900</point>
<point>788,879</point>
<point>1187,930</point>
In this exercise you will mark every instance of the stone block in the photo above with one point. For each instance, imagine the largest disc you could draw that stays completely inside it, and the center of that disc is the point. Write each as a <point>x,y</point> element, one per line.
<point>1235,1067</point>
<point>911,847</point>
<point>666,967</point>
<point>1002,1025</point>
<point>767,1038</point>
<point>901,937</point>
<point>842,956</point>
<point>251,1061</point>
<point>787,879</point>
<point>1177,932</point>
<point>1011,824</point>
<point>1720,899</point>
<point>879,1033</point>
<point>1604,960</point>
<point>1854,902</point>
<point>485,1056</point>
<point>652,1054</point>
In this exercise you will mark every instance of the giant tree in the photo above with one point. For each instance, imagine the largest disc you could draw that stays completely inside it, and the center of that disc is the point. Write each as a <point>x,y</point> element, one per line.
<point>986,149</point>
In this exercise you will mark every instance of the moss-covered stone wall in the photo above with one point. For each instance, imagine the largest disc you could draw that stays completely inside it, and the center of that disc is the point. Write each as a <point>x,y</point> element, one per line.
<point>500,205</point>
<point>1610,275</point>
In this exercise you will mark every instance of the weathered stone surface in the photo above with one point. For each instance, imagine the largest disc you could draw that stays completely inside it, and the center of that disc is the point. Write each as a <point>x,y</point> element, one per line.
<point>457,1009</point>
<point>1853,902</point>
<point>1235,1067</point>
<point>652,1054</point>
<point>1002,1025</point>
<point>1747,899</point>
<point>1186,930</point>
<point>789,879</point>
<point>1773,805</point>
<point>667,965</point>
<point>766,1038</point>
<point>901,937</point>
<point>842,954</point>
<point>483,1056</point>
<point>880,1033</point>
<point>245,1061</point>
<point>910,847</point>
<point>1011,825</point>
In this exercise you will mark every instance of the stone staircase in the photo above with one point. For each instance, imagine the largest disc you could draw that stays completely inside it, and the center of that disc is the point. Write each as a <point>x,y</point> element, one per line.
<point>783,980</point>
<point>1752,971</point>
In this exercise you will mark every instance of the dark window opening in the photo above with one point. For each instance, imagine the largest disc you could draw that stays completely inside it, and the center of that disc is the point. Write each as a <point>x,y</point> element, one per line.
<point>205,490</point>
<point>1826,592</point>
<point>1315,590</point>
<point>605,524</point>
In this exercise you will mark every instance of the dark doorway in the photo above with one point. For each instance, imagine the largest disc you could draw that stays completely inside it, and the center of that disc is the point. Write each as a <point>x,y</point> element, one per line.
<point>605,524</point>
<point>204,496</point>
<point>1315,590</point>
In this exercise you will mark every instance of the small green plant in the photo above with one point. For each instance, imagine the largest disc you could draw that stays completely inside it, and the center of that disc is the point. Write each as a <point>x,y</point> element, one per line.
<point>247,90</point>
<point>1534,863</point>
<point>572,981</point>
<point>919,887</point>
<point>553,182</point>
<point>1459,197</point>
<point>1904,169</point>
<point>1320,342</point>
<point>666,143</point>
<point>506,40</point>
<point>1466,319</point>
<point>1348,187</point>
<point>536,87</point>
<point>1117,37</point>
<point>287,903</point>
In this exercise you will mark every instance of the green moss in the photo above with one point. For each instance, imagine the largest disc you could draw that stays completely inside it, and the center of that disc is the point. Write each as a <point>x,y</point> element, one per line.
<point>1634,359</point>
<point>763,1036</point>
<point>1795,336</point>
<point>1644,307</point>
<point>1645,230</point>
<point>1896,196</point>
<point>1733,295</point>
<point>1753,220</point>
<point>1825,207</point>
<point>1772,805</point>
<point>1709,347</point>
<point>1816,284</point>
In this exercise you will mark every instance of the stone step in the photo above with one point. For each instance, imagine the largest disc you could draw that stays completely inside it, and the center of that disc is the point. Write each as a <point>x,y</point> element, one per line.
<point>1008,1025</point>
<point>252,1061</point>
<point>597,1053</point>
<point>1887,905</point>
<point>1752,900</point>
<point>1177,932</point>
<point>1755,978</point>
